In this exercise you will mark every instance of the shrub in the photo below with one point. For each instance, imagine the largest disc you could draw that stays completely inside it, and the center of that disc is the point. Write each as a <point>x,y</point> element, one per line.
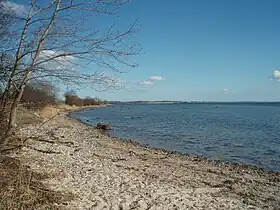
<point>71,98</point>
<point>38,95</point>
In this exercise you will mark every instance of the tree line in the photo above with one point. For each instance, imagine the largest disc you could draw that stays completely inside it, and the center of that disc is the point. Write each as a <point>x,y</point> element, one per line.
<point>71,98</point>
<point>39,95</point>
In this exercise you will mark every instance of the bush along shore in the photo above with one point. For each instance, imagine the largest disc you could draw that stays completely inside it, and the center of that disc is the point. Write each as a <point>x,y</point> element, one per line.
<point>100,172</point>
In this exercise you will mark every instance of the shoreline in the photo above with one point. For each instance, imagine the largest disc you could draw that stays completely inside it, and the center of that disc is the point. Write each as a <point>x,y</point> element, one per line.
<point>83,108</point>
<point>197,157</point>
<point>112,173</point>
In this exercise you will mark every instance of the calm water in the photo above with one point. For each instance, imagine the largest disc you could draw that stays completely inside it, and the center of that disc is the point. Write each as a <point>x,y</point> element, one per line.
<point>245,134</point>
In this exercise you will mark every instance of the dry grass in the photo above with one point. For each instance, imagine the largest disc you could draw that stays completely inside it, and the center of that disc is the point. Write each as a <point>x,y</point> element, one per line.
<point>23,189</point>
<point>50,111</point>
<point>27,116</point>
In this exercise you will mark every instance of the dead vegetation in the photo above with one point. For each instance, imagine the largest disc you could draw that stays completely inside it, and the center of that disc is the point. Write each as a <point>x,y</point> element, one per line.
<point>22,188</point>
<point>27,116</point>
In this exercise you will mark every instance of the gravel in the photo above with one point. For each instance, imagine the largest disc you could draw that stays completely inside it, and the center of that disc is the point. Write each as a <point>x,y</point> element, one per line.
<point>108,173</point>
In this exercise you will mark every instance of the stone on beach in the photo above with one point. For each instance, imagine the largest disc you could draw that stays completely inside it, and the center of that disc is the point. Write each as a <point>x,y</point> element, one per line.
<point>103,126</point>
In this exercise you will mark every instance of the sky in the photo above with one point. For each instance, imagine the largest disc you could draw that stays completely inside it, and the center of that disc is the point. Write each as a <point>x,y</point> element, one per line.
<point>218,50</point>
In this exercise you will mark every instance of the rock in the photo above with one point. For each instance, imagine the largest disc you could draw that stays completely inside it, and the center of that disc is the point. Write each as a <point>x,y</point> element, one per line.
<point>36,114</point>
<point>104,127</point>
<point>99,125</point>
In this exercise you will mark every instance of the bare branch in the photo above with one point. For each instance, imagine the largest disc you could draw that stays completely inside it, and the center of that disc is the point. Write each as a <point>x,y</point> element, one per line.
<point>57,41</point>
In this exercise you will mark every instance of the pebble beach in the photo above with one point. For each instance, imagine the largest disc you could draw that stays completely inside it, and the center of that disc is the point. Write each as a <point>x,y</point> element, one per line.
<point>108,173</point>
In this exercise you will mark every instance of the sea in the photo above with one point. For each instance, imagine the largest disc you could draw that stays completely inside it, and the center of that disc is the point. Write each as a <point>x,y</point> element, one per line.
<point>238,132</point>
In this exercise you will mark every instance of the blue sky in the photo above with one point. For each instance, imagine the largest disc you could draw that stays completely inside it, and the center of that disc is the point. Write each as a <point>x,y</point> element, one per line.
<point>218,50</point>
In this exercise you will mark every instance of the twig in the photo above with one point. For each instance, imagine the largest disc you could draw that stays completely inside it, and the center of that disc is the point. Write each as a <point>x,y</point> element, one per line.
<point>112,159</point>
<point>34,138</point>
<point>51,141</point>
<point>30,137</point>
<point>42,140</point>
<point>44,151</point>
<point>12,148</point>
<point>48,120</point>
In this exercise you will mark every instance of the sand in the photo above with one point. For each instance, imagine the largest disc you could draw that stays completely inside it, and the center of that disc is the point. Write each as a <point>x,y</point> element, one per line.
<point>108,173</point>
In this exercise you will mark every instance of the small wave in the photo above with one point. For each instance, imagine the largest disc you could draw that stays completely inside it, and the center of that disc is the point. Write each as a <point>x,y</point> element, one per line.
<point>238,131</point>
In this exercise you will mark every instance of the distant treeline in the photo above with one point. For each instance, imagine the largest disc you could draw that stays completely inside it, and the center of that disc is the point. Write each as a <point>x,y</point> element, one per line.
<point>38,95</point>
<point>71,98</point>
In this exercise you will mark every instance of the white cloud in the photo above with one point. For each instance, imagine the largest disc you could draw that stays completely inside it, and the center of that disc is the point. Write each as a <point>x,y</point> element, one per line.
<point>51,53</point>
<point>148,82</point>
<point>8,7</point>
<point>56,63</point>
<point>156,78</point>
<point>152,80</point>
<point>225,91</point>
<point>276,75</point>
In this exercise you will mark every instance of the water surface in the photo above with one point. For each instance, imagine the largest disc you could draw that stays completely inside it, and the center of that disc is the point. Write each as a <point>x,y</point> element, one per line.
<point>236,133</point>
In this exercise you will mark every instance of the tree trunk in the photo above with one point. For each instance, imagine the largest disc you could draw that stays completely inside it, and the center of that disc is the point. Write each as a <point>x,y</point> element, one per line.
<point>13,110</point>
<point>12,116</point>
<point>6,96</point>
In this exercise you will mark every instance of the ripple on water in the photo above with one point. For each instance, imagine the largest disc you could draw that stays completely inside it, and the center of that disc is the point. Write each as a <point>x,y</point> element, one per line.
<point>246,134</point>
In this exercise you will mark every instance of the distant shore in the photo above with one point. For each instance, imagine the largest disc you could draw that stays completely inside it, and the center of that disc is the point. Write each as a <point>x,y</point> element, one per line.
<point>109,173</point>
<point>266,103</point>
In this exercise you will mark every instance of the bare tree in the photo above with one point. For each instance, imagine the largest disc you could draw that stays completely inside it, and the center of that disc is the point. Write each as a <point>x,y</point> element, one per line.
<point>55,42</point>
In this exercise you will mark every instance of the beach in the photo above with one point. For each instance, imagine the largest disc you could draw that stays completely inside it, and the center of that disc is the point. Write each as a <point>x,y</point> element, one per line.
<point>108,173</point>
